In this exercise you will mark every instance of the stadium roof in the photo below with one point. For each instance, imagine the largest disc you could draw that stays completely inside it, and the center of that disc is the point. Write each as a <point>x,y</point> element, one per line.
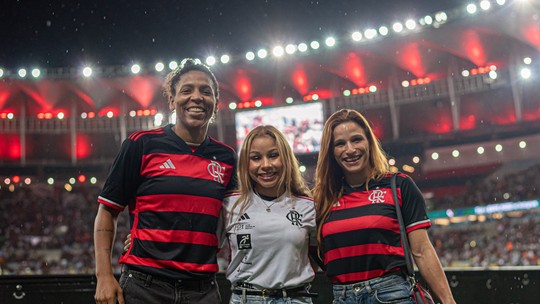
<point>500,36</point>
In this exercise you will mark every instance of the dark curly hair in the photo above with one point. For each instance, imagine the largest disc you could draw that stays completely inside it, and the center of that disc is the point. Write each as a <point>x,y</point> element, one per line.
<point>187,65</point>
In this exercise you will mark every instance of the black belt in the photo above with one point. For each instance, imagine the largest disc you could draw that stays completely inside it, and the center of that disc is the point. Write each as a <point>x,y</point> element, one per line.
<point>192,284</point>
<point>274,293</point>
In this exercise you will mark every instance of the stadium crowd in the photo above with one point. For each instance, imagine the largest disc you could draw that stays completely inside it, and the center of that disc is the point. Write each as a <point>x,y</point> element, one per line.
<point>46,229</point>
<point>497,242</point>
<point>498,187</point>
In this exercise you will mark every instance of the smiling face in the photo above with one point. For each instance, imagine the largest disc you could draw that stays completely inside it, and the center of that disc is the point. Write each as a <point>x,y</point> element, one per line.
<point>195,103</point>
<point>265,166</point>
<point>351,152</point>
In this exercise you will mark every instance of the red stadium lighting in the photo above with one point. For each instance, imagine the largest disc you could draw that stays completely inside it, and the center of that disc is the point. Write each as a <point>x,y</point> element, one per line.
<point>356,91</point>
<point>48,116</point>
<point>242,85</point>
<point>83,146</point>
<point>91,114</point>
<point>153,112</point>
<point>139,112</point>
<point>81,178</point>
<point>300,80</point>
<point>146,112</point>
<point>16,179</point>
<point>3,115</point>
<point>419,81</point>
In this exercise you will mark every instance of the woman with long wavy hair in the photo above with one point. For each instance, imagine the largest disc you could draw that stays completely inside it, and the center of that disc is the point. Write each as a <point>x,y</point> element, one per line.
<point>358,230</point>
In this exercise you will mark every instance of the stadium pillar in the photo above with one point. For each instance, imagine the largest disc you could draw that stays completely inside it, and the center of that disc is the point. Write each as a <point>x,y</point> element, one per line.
<point>73,133</point>
<point>516,84</point>
<point>123,128</point>
<point>22,132</point>
<point>394,110</point>
<point>332,107</point>
<point>219,126</point>
<point>455,100</point>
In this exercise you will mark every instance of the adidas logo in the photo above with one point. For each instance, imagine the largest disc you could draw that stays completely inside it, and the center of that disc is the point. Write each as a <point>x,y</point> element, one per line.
<point>167,165</point>
<point>244,216</point>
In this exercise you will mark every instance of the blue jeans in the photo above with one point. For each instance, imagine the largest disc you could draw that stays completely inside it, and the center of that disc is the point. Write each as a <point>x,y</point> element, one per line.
<point>238,299</point>
<point>141,288</point>
<point>387,289</point>
<point>256,299</point>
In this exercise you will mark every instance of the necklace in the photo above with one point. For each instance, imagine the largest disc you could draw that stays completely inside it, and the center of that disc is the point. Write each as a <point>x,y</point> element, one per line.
<point>264,203</point>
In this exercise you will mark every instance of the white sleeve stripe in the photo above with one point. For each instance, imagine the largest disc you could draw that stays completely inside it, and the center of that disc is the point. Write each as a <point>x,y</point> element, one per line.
<point>418,223</point>
<point>101,198</point>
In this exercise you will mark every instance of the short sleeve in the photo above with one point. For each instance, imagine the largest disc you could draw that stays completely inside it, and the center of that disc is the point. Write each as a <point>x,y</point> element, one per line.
<point>124,176</point>
<point>413,204</point>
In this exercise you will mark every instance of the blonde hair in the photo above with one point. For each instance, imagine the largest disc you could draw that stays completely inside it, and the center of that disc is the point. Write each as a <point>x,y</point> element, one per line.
<point>291,179</point>
<point>329,176</point>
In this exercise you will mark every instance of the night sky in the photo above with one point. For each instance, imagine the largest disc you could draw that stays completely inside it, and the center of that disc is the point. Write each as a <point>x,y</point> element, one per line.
<point>70,33</point>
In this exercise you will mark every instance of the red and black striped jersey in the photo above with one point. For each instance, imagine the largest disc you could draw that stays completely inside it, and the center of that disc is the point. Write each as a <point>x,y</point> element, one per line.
<point>361,238</point>
<point>174,196</point>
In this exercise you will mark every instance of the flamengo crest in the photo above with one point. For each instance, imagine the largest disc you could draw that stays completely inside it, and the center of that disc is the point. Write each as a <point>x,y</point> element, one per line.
<point>376,197</point>
<point>217,171</point>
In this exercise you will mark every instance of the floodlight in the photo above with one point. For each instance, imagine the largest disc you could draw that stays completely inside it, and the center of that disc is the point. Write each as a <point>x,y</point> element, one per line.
<point>250,56</point>
<point>87,71</point>
<point>262,53</point>
<point>36,72</point>
<point>278,51</point>
<point>356,36</point>
<point>159,66</point>
<point>330,41</point>
<point>225,58</point>
<point>135,69</point>
<point>210,60</point>
<point>290,49</point>
<point>22,73</point>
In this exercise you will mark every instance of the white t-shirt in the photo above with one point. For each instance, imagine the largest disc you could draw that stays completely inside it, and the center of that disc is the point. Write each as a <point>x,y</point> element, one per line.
<point>269,249</point>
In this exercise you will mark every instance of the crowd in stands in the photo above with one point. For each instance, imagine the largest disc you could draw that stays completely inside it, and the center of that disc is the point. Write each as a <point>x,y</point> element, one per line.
<point>494,243</point>
<point>500,186</point>
<point>45,229</point>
